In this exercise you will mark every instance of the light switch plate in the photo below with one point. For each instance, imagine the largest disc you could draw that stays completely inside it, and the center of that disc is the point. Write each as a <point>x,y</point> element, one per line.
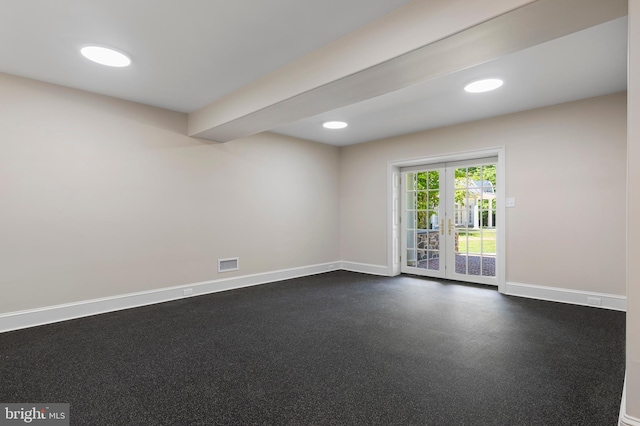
<point>510,202</point>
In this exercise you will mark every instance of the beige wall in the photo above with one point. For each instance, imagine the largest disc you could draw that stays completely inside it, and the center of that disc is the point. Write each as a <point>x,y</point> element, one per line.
<point>102,197</point>
<point>566,167</point>
<point>633,214</point>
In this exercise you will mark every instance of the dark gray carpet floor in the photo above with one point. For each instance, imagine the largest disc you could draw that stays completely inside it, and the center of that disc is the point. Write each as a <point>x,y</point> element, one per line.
<point>335,348</point>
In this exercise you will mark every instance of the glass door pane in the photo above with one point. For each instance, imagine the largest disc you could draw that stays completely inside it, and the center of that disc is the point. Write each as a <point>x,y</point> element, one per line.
<point>472,220</point>
<point>422,224</point>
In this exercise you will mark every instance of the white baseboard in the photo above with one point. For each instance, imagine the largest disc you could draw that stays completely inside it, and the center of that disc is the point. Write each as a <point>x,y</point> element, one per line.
<point>51,314</point>
<point>625,419</point>
<point>365,268</point>
<point>564,295</point>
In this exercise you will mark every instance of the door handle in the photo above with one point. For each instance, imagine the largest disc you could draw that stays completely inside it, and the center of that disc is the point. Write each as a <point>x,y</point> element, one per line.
<point>442,226</point>
<point>451,225</point>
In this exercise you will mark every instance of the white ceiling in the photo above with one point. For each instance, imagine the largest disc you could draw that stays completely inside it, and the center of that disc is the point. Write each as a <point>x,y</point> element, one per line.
<point>190,53</point>
<point>186,53</point>
<point>585,64</point>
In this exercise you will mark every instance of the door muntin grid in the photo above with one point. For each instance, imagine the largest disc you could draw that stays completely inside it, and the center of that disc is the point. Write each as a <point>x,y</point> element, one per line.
<point>423,220</point>
<point>475,221</point>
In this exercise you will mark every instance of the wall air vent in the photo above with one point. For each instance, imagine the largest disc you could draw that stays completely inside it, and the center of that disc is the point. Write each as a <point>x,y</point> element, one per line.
<point>226,265</point>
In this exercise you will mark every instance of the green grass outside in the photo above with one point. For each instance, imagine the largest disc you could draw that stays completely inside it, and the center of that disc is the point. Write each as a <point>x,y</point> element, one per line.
<point>485,244</point>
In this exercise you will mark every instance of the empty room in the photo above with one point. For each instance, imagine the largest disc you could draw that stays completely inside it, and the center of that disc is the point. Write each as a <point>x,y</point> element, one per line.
<point>394,212</point>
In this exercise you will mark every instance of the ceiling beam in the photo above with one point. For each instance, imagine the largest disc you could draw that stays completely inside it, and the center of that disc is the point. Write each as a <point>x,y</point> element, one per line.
<point>326,80</point>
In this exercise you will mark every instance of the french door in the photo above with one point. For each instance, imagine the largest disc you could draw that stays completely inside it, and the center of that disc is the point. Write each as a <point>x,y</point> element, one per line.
<point>449,220</point>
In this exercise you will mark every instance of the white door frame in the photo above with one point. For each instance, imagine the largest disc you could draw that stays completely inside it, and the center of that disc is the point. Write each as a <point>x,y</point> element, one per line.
<point>393,205</point>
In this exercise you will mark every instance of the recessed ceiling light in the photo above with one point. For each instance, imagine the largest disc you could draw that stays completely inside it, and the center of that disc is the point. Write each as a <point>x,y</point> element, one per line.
<point>334,125</point>
<point>483,85</point>
<point>105,56</point>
